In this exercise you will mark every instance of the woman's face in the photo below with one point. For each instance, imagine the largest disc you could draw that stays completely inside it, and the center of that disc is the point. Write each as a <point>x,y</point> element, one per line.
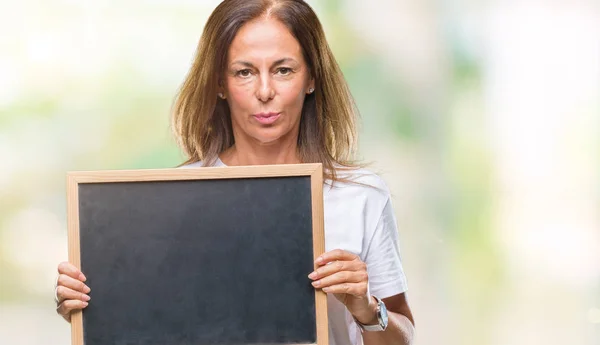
<point>266,81</point>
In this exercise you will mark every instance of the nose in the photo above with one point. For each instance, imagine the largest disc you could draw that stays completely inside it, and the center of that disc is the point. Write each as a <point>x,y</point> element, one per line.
<point>265,90</point>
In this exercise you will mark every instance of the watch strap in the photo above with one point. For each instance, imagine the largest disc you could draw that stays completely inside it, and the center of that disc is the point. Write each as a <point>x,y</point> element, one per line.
<point>373,328</point>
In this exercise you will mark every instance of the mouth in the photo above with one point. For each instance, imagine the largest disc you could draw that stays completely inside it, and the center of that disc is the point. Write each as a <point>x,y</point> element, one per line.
<point>266,118</point>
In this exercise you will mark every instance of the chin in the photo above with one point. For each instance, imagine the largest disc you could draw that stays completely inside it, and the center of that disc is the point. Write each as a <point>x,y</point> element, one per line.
<point>268,138</point>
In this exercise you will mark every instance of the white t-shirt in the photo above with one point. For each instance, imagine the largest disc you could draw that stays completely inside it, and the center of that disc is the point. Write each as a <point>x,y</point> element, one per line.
<point>359,219</point>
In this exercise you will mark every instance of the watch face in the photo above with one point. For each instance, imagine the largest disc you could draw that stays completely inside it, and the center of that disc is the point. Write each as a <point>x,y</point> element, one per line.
<point>384,315</point>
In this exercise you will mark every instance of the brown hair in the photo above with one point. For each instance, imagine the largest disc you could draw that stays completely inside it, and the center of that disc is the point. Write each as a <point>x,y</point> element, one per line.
<point>201,121</point>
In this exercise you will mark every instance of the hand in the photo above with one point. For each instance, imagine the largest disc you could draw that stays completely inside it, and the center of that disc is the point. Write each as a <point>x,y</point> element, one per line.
<point>345,275</point>
<point>71,292</point>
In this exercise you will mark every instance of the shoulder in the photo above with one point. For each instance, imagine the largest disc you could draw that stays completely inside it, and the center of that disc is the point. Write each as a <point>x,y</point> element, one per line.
<point>355,207</point>
<point>360,180</point>
<point>360,189</point>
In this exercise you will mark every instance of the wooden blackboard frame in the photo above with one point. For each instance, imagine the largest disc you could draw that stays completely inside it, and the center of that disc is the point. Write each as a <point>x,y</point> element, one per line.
<point>314,171</point>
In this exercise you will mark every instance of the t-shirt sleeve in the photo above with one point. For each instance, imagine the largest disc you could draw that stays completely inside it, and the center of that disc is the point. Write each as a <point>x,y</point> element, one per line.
<point>384,265</point>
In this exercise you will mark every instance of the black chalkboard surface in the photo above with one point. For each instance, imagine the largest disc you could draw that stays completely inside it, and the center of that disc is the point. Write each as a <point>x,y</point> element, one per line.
<point>198,256</point>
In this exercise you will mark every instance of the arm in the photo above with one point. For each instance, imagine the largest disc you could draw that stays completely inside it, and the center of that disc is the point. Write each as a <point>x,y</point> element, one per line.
<point>400,328</point>
<point>346,277</point>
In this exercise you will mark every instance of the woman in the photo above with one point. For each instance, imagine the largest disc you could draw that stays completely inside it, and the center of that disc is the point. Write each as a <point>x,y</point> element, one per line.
<point>265,89</point>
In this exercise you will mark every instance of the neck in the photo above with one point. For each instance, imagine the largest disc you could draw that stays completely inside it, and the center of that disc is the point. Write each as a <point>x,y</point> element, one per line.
<point>245,153</point>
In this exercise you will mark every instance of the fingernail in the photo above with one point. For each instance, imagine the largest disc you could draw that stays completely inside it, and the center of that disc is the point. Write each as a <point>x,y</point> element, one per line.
<point>325,289</point>
<point>85,298</point>
<point>82,277</point>
<point>316,283</point>
<point>86,289</point>
<point>319,260</point>
<point>312,275</point>
<point>85,304</point>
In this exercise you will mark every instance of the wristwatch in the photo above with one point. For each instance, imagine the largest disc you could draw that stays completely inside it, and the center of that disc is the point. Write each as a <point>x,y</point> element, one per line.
<point>382,318</point>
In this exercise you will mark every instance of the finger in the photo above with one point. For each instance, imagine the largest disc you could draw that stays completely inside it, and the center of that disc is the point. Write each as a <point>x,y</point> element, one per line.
<point>338,266</point>
<point>335,255</point>
<point>73,284</point>
<point>341,278</point>
<point>66,307</point>
<point>64,293</point>
<point>70,270</point>
<point>355,289</point>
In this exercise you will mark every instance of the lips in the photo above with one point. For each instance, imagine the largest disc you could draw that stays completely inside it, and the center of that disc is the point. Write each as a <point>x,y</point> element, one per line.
<point>266,118</point>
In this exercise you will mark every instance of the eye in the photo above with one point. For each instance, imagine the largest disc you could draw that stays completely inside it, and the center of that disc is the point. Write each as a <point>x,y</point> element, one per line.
<point>284,70</point>
<point>244,73</point>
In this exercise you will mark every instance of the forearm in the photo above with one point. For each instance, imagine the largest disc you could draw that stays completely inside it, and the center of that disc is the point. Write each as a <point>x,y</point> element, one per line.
<point>400,331</point>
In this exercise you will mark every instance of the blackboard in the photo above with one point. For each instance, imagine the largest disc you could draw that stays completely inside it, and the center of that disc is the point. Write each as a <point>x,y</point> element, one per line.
<point>198,256</point>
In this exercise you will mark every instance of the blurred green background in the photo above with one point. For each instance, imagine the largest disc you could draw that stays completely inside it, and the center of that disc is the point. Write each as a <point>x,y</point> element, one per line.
<point>482,116</point>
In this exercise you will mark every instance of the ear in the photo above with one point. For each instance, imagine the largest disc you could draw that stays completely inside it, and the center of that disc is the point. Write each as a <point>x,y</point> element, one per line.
<point>221,90</point>
<point>311,86</point>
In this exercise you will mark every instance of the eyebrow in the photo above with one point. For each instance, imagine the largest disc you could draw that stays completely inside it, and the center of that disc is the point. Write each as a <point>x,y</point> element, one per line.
<point>249,64</point>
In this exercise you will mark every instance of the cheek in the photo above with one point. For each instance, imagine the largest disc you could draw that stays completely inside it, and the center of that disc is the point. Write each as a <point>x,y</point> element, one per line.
<point>239,97</point>
<point>293,95</point>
